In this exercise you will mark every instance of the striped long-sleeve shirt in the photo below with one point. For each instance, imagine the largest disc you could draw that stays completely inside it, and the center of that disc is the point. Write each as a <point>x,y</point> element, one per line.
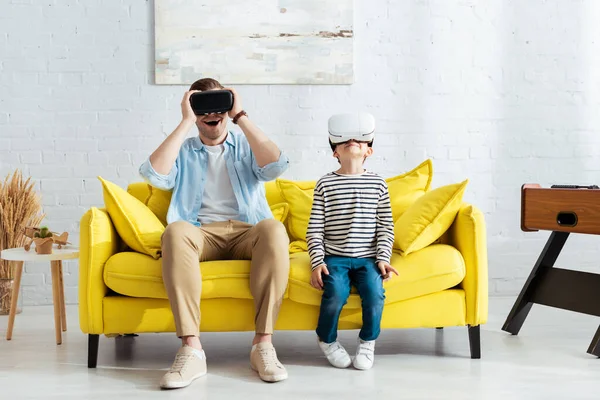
<point>351,216</point>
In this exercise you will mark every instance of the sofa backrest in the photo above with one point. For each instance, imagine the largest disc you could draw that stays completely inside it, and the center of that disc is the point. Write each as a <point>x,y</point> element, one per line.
<point>404,190</point>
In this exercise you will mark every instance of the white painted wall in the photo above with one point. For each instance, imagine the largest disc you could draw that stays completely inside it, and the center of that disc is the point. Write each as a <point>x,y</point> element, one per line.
<point>502,92</point>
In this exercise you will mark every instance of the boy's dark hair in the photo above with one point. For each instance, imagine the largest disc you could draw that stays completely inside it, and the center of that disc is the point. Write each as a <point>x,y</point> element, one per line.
<point>206,84</point>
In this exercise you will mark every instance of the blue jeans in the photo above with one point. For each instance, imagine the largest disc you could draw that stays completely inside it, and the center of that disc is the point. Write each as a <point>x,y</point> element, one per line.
<point>344,272</point>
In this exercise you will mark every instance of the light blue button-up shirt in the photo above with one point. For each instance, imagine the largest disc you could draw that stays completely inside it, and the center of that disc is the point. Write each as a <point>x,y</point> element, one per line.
<point>188,177</point>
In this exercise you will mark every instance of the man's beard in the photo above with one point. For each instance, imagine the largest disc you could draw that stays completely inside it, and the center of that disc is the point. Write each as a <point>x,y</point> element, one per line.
<point>211,134</point>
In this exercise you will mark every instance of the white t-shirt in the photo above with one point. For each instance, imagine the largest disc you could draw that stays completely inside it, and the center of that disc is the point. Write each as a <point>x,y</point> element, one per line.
<point>218,202</point>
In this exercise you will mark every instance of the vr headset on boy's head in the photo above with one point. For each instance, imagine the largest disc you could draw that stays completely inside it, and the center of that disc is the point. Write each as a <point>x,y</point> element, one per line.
<point>211,101</point>
<point>356,126</point>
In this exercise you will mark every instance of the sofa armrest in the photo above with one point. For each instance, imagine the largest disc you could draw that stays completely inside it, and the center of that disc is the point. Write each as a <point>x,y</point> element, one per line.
<point>98,241</point>
<point>468,235</point>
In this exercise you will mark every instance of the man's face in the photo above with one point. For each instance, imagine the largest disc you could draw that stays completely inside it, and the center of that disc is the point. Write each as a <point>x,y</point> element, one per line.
<point>212,126</point>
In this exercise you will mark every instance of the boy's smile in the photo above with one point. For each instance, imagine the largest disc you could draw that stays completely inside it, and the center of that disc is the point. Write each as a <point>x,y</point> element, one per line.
<point>352,149</point>
<point>351,155</point>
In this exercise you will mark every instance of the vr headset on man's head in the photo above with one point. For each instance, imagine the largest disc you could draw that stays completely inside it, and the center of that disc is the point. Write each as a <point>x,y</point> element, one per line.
<point>356,126</point>
<point>211,101</point>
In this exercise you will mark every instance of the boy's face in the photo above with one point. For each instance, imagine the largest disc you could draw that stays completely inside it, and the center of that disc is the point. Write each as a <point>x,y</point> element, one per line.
<point>351,150</point>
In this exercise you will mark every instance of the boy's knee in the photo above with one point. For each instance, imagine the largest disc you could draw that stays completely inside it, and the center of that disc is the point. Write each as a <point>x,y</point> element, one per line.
<point>335,300</point>
<point>373,296</point>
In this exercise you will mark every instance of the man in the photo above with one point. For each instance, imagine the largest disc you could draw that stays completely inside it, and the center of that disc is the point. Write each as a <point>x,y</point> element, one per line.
<point>219,211</point>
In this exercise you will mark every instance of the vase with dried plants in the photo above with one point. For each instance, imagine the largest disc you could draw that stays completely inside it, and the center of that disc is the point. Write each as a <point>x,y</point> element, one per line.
<point>20,206</point>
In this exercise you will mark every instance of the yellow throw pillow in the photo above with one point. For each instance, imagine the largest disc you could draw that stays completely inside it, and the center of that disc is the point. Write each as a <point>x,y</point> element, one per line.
<point>299,196</point>
<point>428,218</point>
<point>280,211</point>
<point>405,189</point>
<point>137,226</point>
<point>139,190</point>
<point>272,193</point>
<point>158,202</point>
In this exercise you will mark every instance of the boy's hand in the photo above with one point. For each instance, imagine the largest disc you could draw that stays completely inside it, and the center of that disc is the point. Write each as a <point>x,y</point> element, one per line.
<point>316,280</point>
<point>386,270</point>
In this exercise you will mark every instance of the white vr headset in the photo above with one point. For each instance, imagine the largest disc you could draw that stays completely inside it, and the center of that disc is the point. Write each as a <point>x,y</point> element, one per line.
<point>357,126</point>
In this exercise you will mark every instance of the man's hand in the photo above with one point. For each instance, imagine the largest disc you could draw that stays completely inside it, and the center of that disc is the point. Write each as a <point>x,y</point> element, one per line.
<point>237,103</point>
<point>186,107</point>
<point>316,279</point>
<point>386,270</point>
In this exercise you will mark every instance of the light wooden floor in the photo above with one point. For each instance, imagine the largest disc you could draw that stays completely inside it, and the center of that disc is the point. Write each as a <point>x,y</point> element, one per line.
<point>546,361</point>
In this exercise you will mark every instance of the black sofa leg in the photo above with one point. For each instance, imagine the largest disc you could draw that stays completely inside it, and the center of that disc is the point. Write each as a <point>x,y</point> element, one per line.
<point>475,341</point>
<point>93,341</point>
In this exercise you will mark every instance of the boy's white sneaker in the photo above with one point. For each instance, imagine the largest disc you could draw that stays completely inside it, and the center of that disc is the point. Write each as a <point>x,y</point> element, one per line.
<point>365,354</point>
<point>336,354</point>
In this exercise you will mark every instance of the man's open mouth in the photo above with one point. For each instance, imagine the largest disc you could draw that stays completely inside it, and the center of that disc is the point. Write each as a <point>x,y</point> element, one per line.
<point>212,122</point>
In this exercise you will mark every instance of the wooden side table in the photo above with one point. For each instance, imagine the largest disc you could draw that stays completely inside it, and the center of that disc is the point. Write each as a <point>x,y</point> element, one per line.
<point>58,291</point>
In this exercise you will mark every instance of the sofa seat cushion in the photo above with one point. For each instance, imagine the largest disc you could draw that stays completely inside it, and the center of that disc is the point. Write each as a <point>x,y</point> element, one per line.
<point>432,269</point>
<point>138,275</point>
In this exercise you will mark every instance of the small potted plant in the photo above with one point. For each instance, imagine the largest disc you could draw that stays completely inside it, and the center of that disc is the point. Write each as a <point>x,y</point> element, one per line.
<point>43,241</point>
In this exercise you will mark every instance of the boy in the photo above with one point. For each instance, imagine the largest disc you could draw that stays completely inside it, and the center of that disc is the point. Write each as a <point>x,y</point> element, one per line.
<point>350,236</point>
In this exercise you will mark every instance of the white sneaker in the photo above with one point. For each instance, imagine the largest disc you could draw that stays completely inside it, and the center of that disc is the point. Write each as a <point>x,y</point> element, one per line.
<point>263,359</point>
<point>189,364</point>
<point>365,354</point>
<point>336,354</point>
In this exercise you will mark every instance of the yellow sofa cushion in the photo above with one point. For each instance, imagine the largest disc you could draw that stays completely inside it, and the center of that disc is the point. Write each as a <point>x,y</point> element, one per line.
<point>158,202</point>
<point>428,218</point>
<point>137,275</point>
<point>298,246</point>
<point>299,195</point>
<point>137,226</point>
<point>272,193</point>
<point>139,190</point>
<point>435,268</point>
<point>404,189</point>
<point>280,211</point>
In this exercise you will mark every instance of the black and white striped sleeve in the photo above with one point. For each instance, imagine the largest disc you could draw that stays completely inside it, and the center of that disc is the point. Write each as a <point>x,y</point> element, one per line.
<point>385,226</point>
<point>316,229</point>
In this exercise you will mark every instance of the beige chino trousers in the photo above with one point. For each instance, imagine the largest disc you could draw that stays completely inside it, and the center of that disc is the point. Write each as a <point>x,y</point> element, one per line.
<point>185,245</point>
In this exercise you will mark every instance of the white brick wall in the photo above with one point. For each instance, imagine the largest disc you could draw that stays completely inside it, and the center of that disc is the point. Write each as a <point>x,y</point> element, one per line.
<point>503,92</point>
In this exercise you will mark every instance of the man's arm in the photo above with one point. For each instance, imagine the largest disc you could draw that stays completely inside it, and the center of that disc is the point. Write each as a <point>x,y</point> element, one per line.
<point>164,156</point>
<point>264,149</point>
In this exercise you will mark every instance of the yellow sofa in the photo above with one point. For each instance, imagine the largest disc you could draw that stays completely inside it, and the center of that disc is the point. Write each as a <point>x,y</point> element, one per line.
<point>121,291</point>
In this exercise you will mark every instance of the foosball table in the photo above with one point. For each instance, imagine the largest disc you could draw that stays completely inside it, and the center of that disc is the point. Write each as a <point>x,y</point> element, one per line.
<point>562,210</point>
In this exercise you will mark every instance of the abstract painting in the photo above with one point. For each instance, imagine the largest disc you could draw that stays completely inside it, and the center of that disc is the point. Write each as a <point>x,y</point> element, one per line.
<point>254,42</point>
